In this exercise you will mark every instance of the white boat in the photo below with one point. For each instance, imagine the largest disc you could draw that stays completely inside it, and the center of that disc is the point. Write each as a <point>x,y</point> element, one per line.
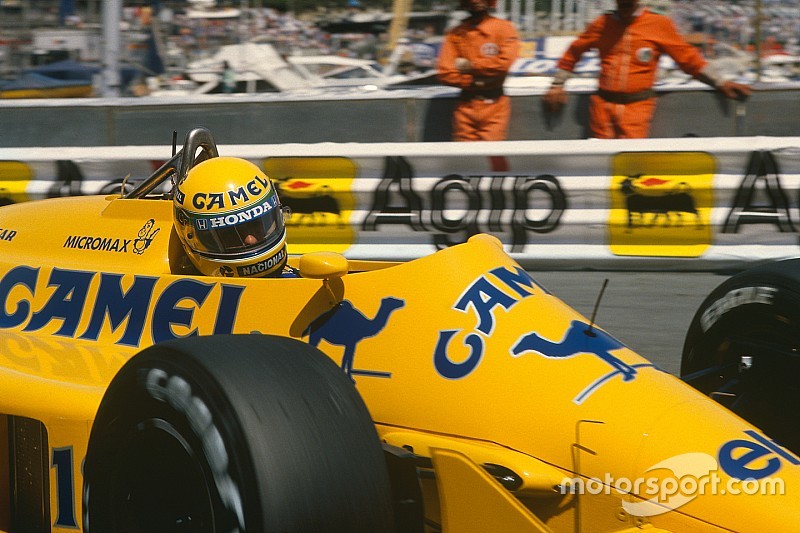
<point>338,71</point>
<point>208,9</point>
<point>260,68</point>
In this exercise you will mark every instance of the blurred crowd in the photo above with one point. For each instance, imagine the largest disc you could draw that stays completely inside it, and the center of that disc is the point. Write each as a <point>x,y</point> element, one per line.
<point>186,35</point>
<point>734,23</point>
<point>730,22</point>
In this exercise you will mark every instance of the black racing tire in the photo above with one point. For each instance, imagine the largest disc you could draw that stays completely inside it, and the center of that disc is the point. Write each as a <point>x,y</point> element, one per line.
<point>247,433</point>
<point>743,348</point>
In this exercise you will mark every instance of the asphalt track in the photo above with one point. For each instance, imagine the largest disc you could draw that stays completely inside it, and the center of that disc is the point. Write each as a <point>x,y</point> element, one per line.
<point>647,311</point>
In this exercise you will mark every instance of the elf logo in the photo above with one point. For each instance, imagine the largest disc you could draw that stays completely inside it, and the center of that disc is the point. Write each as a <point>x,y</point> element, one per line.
<point>754,459</point>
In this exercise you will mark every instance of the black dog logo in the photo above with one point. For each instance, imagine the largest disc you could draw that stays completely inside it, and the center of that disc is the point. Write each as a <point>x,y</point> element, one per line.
<point>670,206</point>
<point>308,208</point>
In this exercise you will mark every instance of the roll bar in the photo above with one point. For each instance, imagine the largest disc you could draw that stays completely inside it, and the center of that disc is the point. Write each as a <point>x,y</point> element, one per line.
<point>179,164</point>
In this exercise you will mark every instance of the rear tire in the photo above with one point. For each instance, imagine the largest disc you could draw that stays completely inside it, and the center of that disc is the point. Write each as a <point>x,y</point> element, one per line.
<point>234,433</point>
<point>743,348</point>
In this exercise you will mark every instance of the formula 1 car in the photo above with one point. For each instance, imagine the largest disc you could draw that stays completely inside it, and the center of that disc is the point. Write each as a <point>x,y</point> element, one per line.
<point>743,348</point>
<point>448,393</point>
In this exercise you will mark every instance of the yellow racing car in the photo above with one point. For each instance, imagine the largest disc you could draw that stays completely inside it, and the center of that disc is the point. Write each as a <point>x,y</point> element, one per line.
<point>165,365</point>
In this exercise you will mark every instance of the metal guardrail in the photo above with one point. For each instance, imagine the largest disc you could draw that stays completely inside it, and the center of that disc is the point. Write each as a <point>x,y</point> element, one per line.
<point>402,115</point>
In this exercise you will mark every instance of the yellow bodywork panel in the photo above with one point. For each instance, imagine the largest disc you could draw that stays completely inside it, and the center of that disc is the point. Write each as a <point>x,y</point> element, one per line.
<point>471,500</point>
<point>535,477</point>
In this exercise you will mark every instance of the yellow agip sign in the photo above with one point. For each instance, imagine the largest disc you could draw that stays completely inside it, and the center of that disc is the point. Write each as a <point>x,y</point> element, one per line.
<point>661,203</point>
<point>319,190</point>
<point>14,179</point>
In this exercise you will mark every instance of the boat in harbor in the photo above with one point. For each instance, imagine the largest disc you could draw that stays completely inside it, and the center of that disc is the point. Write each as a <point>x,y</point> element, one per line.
<point>259,68</point>
<point>33,85</point>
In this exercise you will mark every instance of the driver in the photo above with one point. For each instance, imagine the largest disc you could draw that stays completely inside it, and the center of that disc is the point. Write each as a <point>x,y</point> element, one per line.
<point>230,220</point>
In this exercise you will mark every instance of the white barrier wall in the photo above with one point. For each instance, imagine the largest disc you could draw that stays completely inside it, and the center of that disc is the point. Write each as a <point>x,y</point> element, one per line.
<point>688,203</point>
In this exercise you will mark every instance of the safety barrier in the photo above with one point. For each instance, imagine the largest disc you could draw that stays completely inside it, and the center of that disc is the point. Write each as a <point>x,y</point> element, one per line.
<point>685,204</point>
<point>408,115</point>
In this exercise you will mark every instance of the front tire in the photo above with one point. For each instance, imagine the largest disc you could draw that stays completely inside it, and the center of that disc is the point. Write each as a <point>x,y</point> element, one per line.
<point>234,433</point>
<point>743,348</point>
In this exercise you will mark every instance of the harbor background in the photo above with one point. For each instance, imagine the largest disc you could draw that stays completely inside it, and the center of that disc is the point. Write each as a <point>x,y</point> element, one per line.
<point>756,40</point>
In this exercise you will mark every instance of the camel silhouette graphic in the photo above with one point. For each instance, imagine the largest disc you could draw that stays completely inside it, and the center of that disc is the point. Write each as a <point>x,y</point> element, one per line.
<point>577,340</point>
<point>346,326</point>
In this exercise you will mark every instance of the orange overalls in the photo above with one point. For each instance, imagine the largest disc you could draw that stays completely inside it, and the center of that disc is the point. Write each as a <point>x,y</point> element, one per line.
<point>483,111</point>
<point>625,102</point>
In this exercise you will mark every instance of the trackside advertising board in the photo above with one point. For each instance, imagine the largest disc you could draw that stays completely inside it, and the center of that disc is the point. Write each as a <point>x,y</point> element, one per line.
<point>688,203</point>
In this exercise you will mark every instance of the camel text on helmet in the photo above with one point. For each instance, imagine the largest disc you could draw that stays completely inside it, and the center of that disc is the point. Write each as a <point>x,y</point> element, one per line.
<point>231,198</point>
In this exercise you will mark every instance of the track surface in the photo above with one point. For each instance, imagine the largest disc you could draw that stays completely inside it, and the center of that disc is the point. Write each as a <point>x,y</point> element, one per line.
<point>648,311</point>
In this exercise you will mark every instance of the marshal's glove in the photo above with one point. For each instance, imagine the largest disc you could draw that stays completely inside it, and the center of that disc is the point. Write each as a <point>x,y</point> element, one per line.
<point>734,91</point>
<point>463,64</point>
<point>555,98</point>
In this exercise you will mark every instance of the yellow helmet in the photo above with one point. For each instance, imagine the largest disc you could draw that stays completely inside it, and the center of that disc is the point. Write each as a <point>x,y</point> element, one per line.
<point>230,220</point>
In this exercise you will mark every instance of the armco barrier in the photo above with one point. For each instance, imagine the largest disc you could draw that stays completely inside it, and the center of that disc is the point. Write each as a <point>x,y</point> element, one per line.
<point>409,115</point>
<point>681,204</point>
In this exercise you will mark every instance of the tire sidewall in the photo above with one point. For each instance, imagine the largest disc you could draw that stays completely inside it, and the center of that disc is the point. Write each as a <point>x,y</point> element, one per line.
<point>178,396</point>
<point>762,298</point>
<point>272,431</point>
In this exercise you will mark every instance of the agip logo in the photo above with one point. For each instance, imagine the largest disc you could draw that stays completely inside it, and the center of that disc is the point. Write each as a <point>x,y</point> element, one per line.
<point>661,203</point>
<point>319,192</point>
<point>14,179</point>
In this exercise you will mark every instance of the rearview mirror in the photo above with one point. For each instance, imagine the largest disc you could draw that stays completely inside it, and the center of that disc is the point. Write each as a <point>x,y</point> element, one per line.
<point>323,265</point>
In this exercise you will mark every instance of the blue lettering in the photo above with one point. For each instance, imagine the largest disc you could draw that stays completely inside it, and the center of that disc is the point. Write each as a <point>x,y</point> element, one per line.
<point>774,446</point>
<point>238,194</point>
<point>216,199</point>
<point>484,297</point>
<point>516,279</point>
<point>111,308</point>
<point>65,488</point>
<point>66,303</point>
<point>22,275</point>
<point>167,313</point>
<point>446,367</point>
<point>228,305</point>
<point>737,467</point>
<point>117,306</point>
<point>199,200</point>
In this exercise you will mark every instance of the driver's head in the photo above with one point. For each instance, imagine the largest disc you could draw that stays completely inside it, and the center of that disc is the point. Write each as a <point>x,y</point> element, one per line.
<point>230,220</point>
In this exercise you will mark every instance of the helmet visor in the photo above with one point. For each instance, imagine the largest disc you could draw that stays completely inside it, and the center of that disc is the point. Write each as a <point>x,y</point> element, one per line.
<point>236,234</point>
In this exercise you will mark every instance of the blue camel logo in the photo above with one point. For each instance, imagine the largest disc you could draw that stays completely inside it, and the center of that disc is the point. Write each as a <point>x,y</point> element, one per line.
<point>580,339</point>
<point>346,326</point>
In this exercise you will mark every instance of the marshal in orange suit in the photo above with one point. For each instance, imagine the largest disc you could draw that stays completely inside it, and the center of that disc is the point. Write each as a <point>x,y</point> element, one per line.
<point>630,41</point>
<point>476,56</point>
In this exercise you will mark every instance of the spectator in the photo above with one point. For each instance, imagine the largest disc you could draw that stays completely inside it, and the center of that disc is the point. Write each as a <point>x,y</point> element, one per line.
<point>476,56</point>
<point>630,41</point>
<point>228,78</point>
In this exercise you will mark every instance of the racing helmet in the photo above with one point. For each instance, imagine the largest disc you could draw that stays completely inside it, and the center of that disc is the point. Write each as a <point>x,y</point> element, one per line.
<point>230,220</point>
